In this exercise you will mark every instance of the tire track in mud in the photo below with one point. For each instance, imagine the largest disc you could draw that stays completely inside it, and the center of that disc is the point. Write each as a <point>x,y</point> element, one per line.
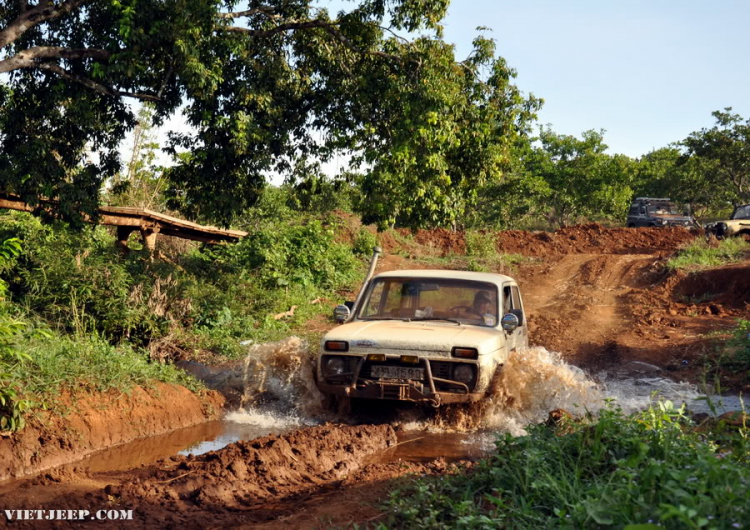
<point>577,305</point>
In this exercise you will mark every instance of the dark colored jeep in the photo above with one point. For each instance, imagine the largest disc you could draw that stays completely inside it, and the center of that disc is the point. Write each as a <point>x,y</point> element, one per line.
<point>647,211</point>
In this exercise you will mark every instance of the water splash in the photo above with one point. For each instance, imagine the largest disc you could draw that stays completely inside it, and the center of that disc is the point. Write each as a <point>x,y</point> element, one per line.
<point>279,376</point>
<point>532,383</point>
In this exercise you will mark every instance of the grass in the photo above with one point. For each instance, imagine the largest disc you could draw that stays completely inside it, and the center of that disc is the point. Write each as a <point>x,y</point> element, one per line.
<point>648,469</point>
<point>702,254</point>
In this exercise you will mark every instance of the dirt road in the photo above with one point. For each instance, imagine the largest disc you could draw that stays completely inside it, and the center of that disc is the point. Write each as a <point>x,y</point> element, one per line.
<point>602,298</point>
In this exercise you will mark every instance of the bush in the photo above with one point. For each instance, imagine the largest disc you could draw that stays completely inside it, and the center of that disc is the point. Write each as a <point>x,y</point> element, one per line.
<point>615,471</point>
<point>480,244</point>
<point>364,244</point>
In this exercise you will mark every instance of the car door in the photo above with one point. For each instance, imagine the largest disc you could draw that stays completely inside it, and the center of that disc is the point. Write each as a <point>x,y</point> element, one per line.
<point>512,303</point>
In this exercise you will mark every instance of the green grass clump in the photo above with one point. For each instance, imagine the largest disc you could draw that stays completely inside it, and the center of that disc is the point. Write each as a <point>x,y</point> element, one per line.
<point>701,254</point>
<point>648,469</point>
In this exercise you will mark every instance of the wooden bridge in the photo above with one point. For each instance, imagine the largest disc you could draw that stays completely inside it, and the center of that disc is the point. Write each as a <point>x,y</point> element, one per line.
<point>148,222</point>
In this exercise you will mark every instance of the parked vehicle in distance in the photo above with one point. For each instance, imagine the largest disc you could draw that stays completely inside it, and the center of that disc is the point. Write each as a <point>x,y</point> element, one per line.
<point>429,336</point>
<point>737,225</point>
<point>647,211</point>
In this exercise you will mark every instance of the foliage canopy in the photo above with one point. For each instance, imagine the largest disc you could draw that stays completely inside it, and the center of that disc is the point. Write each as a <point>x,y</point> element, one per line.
<point>262,85</point>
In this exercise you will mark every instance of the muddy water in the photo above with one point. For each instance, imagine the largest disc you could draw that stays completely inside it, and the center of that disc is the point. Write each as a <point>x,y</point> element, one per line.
<point>280,396</point>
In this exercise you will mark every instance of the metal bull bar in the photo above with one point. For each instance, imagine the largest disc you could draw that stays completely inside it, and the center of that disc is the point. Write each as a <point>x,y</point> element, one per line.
<point>407,390</point>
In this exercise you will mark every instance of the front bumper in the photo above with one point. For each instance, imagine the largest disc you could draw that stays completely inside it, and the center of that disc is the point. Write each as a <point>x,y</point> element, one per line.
<point>433,390</point>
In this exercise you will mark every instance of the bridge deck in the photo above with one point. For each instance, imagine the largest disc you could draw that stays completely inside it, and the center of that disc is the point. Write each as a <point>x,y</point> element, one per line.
<point>148,222</point>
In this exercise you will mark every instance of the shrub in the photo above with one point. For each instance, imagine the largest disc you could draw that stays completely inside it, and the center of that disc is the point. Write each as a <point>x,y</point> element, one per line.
<point>364,244</point>
<point>615,471</point>
<point>480,244</point>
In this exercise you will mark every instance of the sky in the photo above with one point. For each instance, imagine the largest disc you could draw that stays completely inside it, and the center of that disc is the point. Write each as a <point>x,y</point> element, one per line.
<point>647,72</point>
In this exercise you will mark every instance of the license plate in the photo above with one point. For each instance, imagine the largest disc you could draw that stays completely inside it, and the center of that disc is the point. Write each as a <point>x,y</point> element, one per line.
<point>397,372</point>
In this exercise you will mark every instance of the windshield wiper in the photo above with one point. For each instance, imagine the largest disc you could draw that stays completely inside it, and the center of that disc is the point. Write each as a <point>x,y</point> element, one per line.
<point>439,318</point>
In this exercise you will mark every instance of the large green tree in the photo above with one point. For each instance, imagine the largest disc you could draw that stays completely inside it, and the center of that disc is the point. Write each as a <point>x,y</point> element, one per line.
<point>582,180</point>
<point>722,156</point>
<point>262,84</point>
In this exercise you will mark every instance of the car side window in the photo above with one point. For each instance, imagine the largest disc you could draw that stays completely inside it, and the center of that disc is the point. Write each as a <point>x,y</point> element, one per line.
<point>642,211</point>
<point>516,297</point>
<point>742,212</point>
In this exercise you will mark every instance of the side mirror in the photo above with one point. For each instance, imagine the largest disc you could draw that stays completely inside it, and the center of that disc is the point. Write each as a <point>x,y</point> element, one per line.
<point>341,313</point>
<point>509,322</point>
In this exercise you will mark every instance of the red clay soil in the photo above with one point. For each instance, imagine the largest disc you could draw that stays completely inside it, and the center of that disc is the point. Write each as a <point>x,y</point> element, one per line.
<point>602,311</point>
<point>580,239</point>
<point>594,239</point>
<point>97,421</point>
<point>244,483</point>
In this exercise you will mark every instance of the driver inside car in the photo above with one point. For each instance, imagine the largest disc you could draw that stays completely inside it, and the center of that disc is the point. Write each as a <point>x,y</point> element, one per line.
<point>482,307</point>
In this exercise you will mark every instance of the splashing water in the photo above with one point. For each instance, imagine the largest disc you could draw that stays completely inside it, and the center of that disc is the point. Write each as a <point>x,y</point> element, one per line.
<point>532,383</point>
<point>280,392</point>
<point>279,388</point>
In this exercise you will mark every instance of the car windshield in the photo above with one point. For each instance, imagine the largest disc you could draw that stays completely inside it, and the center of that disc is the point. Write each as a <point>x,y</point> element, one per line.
<point>461,301</point>
<point>743,212</point>
<point>664,208</point>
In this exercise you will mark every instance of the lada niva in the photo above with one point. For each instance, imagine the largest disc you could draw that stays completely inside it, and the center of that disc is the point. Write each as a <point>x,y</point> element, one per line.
<point>430,336</point>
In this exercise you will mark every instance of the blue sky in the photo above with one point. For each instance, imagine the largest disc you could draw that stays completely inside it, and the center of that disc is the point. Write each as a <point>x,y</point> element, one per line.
<point>648,72</point>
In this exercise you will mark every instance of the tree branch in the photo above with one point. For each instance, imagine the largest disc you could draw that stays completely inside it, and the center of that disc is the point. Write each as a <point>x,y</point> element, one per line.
<point>30,58</point>
<point>93,85</point>
<point>349,44</point>
<point>287,26</point>
<point>266,10</point>
<point>46,10</point>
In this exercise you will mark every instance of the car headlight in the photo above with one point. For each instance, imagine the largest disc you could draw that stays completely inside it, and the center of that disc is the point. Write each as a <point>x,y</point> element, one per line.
<point>463,373</point>
<point>334,366</point>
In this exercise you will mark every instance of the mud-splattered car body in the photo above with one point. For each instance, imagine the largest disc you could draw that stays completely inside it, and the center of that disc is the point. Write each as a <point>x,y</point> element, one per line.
<point>737,225</point>
<point>426,336</point>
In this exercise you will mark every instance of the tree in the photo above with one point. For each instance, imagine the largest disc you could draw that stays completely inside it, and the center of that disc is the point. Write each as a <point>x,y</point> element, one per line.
<point>582,179</point>
<point>261,84</point>
<point>723,155</point>
<point>669,172</point>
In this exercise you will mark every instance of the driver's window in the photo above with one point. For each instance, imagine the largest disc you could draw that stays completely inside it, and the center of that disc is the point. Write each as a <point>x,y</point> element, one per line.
<point>742,213</point>
<point>507,300</point>
<point>643,210</point>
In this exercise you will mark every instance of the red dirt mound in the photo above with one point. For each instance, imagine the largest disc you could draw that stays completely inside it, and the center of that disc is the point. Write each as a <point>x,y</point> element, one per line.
<point>726,286</point>
<point>581,239</point>
<point>594,239</point>
<point>248,473</point>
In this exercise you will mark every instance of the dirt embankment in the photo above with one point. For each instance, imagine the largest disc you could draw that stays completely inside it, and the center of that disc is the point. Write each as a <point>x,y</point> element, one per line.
<point>97,421</point>
<point>580,239</point>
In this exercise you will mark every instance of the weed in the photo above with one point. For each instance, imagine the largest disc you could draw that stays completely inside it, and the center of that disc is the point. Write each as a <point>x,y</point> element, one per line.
<point>701,254</point>
<point>612,471</point>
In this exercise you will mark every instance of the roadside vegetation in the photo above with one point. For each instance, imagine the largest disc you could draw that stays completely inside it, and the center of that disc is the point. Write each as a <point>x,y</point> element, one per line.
<point>703,254</point>
<point>654,469</point>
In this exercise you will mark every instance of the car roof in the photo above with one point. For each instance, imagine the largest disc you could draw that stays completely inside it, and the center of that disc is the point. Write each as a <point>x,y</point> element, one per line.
<point>448,274</point>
